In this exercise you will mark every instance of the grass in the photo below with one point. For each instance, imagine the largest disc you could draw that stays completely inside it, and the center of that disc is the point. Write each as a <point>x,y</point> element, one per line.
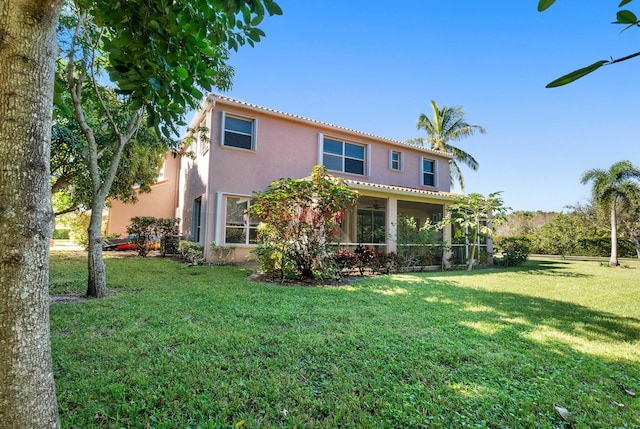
<point>201,347</point>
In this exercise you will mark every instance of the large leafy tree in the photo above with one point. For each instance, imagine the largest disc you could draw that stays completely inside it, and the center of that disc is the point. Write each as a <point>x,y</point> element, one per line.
<point>446,125</point>
<point>560,236</point>
<point>614,188</point>
<point>623,17</point>
<point>160,55</point>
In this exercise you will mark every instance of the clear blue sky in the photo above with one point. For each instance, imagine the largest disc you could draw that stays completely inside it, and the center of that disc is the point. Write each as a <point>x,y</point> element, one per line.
<point>375,65</point>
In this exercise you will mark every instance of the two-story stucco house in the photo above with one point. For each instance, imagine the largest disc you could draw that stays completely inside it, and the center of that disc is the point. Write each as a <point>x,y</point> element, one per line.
<point>250,146</point>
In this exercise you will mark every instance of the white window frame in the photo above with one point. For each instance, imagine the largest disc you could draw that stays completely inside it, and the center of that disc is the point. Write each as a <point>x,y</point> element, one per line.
<point>435,171</point>
<point>254,134</point>
<point>365,160</point>
<point>197,217</point>
<point>247,220</point>
<point>400,160</point>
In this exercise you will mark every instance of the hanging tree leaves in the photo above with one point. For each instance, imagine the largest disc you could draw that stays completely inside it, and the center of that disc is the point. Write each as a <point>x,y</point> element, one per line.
<point>163,55</point>
<point>623,17</point>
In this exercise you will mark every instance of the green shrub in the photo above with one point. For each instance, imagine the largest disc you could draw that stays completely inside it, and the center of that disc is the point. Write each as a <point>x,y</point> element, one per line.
<point>300,219</point>
<point>418,245</point>
<point>191,252</point>
<point>167,230</point>
<point>601,246</point>
<point>149,233</point>
<point>222,254</point>
<point>272,263</point>
<point>515,251</point>
<point>141,231</point>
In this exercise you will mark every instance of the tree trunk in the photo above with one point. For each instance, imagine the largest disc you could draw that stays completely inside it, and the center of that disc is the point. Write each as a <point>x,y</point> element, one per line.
<point>28,51</point>
<point>97,283</point>
<point>613,261</point>
<point>636,242</point>
<point>472,255</point>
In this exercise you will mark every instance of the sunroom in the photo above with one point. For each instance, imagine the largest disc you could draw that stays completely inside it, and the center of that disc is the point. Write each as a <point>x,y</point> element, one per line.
<point>399,220</point>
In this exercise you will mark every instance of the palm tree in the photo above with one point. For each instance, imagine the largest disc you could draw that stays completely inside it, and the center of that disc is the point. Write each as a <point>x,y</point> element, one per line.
<point>448,124</point>
<point>617,186</point>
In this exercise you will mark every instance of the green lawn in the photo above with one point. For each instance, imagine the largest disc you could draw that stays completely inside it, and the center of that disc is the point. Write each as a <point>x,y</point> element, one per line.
<point>177,347</point>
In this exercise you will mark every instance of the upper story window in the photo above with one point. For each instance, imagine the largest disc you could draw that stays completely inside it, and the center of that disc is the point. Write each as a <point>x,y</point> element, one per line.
<point>395,160</point>
<point>428,172</point>
<point>342,156</point>
<point>238,132</point>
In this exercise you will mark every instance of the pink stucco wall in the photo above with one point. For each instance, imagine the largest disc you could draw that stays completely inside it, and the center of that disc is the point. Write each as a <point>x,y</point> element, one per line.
<point>193,179</point>
<point>160,203</point>
<point>286,148</point>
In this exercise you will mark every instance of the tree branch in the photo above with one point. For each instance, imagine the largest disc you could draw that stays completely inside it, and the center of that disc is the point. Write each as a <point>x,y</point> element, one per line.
<point>62,182</point>
<point>107,112</point>
<point>123,139</point>
<point>75,89</point>
<point>71,209</point>
<point>628,57</point>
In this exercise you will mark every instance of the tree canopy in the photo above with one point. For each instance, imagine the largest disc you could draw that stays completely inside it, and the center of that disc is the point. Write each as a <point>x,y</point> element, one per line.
<point>560,236</point>
<point>162,55</point>
<point>70,177</point>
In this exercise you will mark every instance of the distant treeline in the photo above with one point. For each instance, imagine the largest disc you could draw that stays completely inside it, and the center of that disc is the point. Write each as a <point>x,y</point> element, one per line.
<point>583,230</point>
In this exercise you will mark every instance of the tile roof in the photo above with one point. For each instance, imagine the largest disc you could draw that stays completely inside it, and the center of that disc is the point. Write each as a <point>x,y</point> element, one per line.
<point>214,97</point>
<point>401,189</point>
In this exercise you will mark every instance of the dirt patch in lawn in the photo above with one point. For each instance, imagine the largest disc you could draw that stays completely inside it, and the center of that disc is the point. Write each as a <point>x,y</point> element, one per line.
<point>69,297</point>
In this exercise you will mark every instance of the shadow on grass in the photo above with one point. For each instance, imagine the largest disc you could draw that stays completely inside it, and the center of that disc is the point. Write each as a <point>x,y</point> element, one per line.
<point>537,267</point>
<point>566,317</point>
<point>521,312</point>
<point>513,339</point>
<point>549,268</point>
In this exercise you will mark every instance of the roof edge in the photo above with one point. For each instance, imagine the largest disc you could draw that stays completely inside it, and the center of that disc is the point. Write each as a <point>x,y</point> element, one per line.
<point>400,190</point>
